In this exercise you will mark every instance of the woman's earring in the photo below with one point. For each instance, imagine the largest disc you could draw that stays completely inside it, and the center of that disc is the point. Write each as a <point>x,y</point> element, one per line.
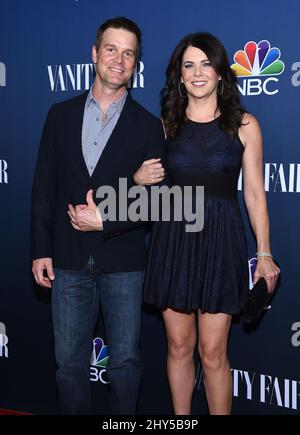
<point>220,89</point>
<point>179,90</point>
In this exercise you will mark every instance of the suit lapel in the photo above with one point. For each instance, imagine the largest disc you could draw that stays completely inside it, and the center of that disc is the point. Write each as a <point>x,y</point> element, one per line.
<point>77,121</point>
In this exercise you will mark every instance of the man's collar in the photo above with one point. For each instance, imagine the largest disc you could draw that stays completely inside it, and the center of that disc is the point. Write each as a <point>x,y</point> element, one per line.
<point>118,103</point>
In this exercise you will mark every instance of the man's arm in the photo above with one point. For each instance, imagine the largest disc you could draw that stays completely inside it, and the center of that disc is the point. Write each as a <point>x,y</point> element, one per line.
<point>155,150</point>
<point>43,201</point>
<point>86,217</point>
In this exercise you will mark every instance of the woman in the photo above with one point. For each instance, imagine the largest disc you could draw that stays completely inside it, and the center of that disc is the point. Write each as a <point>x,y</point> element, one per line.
<point>203,276</point>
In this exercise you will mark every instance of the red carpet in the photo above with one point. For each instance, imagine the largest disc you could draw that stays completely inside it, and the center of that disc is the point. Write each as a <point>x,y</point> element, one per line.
<point>12,412</point>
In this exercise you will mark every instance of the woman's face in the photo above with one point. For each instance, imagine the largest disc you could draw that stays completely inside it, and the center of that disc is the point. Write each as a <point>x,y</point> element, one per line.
<point>198,75</point>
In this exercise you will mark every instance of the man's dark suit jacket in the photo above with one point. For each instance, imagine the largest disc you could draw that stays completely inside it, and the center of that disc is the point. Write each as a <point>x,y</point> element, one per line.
<point>61,177</point>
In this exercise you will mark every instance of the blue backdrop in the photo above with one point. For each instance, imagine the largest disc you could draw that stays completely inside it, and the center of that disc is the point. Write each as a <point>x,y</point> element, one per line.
<point>45,57</point>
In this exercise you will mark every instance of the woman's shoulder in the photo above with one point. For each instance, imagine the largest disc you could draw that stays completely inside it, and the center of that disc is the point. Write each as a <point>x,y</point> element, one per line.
<point>249,128</point>
<point>249,120</point>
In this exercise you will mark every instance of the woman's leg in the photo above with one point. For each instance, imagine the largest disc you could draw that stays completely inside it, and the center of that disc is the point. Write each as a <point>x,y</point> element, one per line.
<point>181,334</point>
<point>213,339</point>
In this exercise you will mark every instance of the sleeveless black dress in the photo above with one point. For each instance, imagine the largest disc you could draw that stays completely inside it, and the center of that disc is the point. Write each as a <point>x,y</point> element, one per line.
<point>205,270</point>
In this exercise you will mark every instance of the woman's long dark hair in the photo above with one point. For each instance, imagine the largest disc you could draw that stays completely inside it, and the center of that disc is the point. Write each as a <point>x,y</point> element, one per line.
<point>173,105</point>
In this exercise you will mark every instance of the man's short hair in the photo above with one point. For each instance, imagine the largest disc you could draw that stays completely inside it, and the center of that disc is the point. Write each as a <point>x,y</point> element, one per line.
<point>119,23</point>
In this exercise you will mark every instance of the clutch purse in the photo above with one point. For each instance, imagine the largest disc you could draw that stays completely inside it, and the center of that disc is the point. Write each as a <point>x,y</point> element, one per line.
<point>258,300</point>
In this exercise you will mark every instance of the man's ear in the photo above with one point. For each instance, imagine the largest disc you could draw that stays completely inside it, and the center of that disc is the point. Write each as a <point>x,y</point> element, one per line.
<point>94,54</point>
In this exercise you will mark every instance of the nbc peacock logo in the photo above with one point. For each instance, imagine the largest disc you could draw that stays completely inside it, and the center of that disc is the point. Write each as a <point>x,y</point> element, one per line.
<point>261,61</point>
<point>258,60</point>
<point>99,360</point>
<point>99,356</point>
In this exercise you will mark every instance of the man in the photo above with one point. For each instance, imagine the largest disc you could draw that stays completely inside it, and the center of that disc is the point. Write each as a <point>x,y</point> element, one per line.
<point>90,141</point>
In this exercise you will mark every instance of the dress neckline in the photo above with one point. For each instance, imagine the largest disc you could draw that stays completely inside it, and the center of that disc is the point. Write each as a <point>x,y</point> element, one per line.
<point>206,122</point>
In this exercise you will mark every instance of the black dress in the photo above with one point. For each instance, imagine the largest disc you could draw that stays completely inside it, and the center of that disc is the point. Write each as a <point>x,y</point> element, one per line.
<point>207,269</point>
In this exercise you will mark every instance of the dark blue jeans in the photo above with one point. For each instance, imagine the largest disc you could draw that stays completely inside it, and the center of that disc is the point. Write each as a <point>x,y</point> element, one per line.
<point>76,299</point>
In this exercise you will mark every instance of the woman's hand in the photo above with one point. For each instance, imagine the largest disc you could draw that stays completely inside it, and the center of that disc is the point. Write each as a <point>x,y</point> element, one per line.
<point>150,172</point>
<point>267,269</point>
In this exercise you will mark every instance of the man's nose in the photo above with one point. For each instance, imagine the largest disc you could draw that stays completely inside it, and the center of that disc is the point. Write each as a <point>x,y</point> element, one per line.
<point>119,57</point>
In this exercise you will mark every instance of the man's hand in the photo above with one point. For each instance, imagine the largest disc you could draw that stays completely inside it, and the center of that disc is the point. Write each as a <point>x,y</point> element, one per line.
<point>86,217</point>
<point>150,172</point>
<point>38,267</point>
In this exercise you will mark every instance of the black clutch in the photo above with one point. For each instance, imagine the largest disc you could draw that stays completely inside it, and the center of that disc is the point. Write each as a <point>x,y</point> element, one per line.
<point>258,300</point>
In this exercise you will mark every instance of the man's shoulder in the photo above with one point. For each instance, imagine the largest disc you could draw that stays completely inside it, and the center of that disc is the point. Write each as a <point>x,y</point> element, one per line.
<point>73,102</point>
<point>143,113</point>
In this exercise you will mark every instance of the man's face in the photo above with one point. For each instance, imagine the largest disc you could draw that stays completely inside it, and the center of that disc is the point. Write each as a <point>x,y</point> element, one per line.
<point>116,57</point>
